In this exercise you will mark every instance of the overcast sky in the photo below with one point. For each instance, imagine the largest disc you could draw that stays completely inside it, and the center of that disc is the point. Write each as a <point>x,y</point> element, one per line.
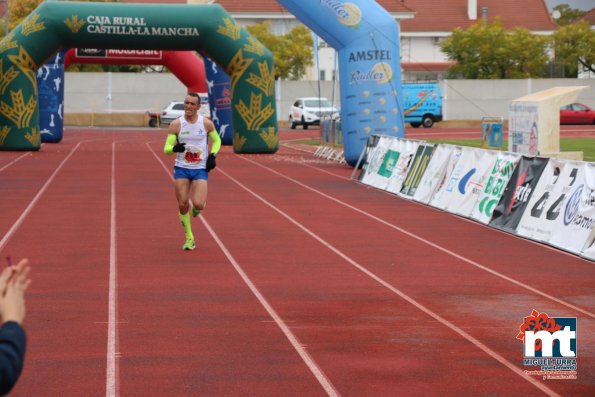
<point>585,5</point>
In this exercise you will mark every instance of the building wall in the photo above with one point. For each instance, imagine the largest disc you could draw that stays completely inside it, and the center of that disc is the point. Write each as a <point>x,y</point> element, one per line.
<point>137,93</point>
<point>474,99</point>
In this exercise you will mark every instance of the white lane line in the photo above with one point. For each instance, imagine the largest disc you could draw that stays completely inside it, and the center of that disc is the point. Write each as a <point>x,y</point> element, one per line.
<point>295,342</point>
<point>401,294</point>
<point>434,245</point>
<point>14,161</point>
<point>35,199</point>
<point>111,383</point>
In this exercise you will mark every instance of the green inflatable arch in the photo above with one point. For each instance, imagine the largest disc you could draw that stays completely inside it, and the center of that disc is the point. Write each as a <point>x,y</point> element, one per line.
<point>208,28</point>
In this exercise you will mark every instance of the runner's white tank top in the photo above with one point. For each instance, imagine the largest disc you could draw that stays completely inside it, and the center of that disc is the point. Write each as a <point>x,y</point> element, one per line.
<point>194,136</point>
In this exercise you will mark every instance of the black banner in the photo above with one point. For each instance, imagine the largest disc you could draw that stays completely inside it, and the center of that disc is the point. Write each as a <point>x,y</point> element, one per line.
<point>514,200</point>
<point>418,167</point>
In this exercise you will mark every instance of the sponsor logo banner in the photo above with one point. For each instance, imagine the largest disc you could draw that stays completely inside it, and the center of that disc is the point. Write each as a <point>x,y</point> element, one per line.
<point>574,226</point>
<point>439,198</point>
<point>436,171</point>
<point>521,184</point>
<point>419,165</point>
<point>118,54</point>
<point>406,150</point>
<point>545,205</point>
<point>376,150</point>
<point>471,185</point>
<point>500,173</point>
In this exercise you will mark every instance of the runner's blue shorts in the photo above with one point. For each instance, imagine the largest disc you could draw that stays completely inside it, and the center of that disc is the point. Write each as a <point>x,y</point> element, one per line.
<point>193,175</point>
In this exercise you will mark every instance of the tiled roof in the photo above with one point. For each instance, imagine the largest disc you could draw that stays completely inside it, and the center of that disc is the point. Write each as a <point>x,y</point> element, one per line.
<point>445,15</point>
<point>267,6</point>
<point>590,17</point>
<point>426,66</point>
<point>271,6</point>
<point>430,15</point>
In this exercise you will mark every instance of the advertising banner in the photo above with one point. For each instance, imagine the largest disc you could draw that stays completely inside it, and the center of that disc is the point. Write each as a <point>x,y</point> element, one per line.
<point>460,183</point>
<point>577,219</point>
<point>453,188</point>
<point>523,128</point>
<point>516,196</point>
<point>589,250</point>
<point>500,173</point>
<point>491,132</point>
<point>434,176</point>
<point>380,162</point>
<point>406,149</point>
<point>473,182</point>
<point>557,179</point>
<point>439,198</point>
<point>418,167</point>
<point>118,54</point>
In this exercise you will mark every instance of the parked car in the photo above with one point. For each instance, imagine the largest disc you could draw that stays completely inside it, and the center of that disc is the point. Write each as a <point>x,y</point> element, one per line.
<point>308,111</point>
<point>577,113</point>
<point>175,109</point>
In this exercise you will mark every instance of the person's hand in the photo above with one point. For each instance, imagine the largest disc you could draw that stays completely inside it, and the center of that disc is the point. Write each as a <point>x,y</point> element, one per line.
<point>179,147</point>
<point>211,163</point>
<point>14,281</point>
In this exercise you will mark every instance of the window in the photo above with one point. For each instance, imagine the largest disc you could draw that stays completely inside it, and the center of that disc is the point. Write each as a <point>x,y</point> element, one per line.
<point>577,107</point>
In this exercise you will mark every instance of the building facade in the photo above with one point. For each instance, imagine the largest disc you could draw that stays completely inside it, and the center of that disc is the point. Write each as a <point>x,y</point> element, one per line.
<point>423,25</point>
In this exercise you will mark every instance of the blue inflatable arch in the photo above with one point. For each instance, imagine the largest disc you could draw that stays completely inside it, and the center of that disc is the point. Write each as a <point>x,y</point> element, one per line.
<point>367,40</point>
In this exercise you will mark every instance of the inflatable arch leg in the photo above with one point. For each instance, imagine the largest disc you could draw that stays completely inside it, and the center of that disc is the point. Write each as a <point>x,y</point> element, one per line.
<point>206,28</point>
<point>219,100</point>
<point>50,86</point>
<point>367,39</point>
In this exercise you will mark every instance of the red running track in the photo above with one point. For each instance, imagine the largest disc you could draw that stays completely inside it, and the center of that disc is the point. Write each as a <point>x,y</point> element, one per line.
<point>304,283</point>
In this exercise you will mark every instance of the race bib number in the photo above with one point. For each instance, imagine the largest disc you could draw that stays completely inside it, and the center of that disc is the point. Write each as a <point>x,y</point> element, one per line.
<point>193,154</point>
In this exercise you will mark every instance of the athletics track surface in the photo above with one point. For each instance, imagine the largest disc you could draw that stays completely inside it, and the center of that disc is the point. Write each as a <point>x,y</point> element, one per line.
<point>304,283</point>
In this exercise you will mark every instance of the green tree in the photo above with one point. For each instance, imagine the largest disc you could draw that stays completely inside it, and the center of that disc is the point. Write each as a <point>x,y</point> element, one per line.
<point>568,15</point>
<point>489,51</point>
<point>574,44</point>
<point>292,52</point>
<point>20,9</point>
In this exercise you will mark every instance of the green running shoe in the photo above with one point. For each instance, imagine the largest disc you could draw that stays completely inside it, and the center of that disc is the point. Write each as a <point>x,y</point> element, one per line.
<point>189,245</point>
<point>195,212</point>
